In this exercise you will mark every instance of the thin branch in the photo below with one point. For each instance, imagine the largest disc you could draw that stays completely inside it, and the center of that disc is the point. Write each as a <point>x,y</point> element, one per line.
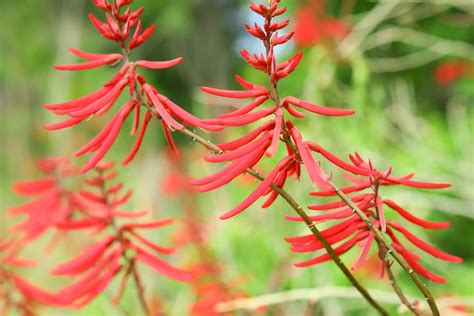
<point>287,197</point>
<point>130,261</point>
<point>299,210</point>
<point>393,281</point>
<point>140,288</point>
<point>379,235</point>
<point>388,263</point>
<point>317,294</point>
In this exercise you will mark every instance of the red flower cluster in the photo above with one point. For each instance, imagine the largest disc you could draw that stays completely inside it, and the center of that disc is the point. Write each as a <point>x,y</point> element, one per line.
<point>17,294</point>
<point>51,202</point>
<point>313,26</point>
<point>351,230</point>
<point>118,251</point>
<point>96,209</point>
<point>247,151</point>
<point>118,28</point>
<point>452,70</point>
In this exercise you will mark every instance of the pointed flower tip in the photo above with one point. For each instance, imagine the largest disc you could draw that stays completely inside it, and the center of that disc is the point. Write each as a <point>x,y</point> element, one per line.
<point>226,216</point>
<point>85,170</point>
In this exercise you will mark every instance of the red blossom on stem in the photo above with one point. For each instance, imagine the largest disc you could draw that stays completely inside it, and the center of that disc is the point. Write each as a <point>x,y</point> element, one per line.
<point>247,151</point>
<point>313,26</point>
<point>121,248</point>
<point>450,71</point>
<point>119,27</point>
<point>52,201</point>
<point>351,230</point>
<point>16,293</point>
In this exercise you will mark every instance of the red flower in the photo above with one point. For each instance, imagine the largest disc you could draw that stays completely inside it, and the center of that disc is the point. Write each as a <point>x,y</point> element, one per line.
<point>313,26</point>
<point>118,28</point>
<point>51,200</point>
<point>353,230</point>
<point>118,251</point>
<point>247,151</point>
<point>16,293</point>
<point>450,71</point>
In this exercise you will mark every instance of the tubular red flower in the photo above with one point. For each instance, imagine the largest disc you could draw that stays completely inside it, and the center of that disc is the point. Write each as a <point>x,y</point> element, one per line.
<point>243,119</point>
<point>33,187</point>
<point>314,170</point>
<point>318,109</point>
<point>235,144</point>
<point>257,193</point>
<point>138,39</point>
<point>161,266</point>
<point>109,59</point>
<point>51,200</point>
<point>185,116</point>
<point>236,94</point>
<point>33,292</point>
<point>346,246</point>
<point>276,132</point>
<point>229,173</point>
<point>159,107</point>
<point>423,245</point>
<point>108,140</point>
<point>240,152</point>
<point>413,219</point>
<point>364,252</point>
<point>246,109</point>
<point>131,155</point>
<point>158,64</point>
<point>83,262</point>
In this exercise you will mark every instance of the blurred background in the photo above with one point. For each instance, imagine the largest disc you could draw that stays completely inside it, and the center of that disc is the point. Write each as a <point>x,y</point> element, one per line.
<point>407,67</point>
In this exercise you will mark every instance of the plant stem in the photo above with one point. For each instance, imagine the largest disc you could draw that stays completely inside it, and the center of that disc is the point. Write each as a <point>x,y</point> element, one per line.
<point>396,287</point>
<point>140,288</point>
<point>299,210</point>
<point>130,261</point>
<point>285,195</point>
<point>386,261</point>
<point>381,238</point>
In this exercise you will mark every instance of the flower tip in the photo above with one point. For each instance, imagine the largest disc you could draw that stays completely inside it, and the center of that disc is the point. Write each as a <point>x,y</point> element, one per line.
<point>293,218</point>
<point>225,216</point>
<point>300,265</point>
<point>85,169</point>
<point>205,89</point>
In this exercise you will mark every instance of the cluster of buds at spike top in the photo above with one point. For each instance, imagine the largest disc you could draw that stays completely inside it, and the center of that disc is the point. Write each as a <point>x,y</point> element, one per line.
<point>118,28</point>
<point>351,230</point>
<point>118,251</point>
<point>51,201</point>
<point>16,294</point>
<point>247,151</point>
